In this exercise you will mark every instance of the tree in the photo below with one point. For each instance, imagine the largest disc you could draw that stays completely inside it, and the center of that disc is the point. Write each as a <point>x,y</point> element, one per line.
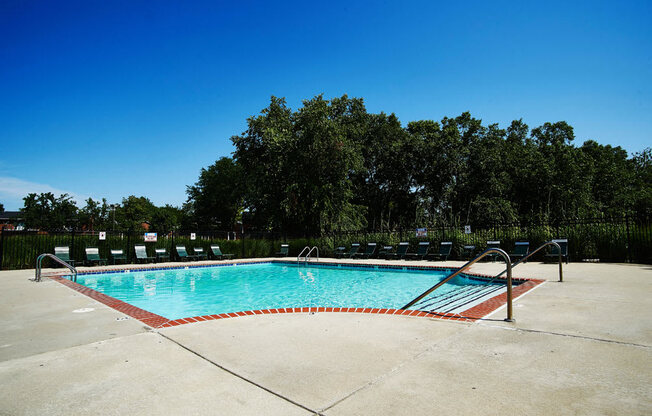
<point>94,215</point>
<point>167,218</point>
<point>611,177</point>
<point>296,165</point>
<point>47,212</point>
<point>216,199</point>
<point>642,193</point>
<point>133,212</point>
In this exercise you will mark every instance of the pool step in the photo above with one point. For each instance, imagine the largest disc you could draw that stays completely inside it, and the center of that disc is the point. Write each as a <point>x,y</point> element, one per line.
<point>459,300</point>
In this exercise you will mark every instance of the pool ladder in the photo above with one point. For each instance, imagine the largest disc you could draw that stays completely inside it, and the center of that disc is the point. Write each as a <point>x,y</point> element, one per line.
<point>39,260</point>
<point>307,257</point>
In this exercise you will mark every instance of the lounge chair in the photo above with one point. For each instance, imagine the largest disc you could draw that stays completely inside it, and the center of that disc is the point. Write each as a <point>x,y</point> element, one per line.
<point>118,255</point>
<point>93,256</point>
<point>445,248</point>
<point>493,244</point>
<point>385,251</point>
<point>217,253</point>
<point>521,249</point>
<point>63,253</point>
<point>422,251</point>
<point>339,252</point>
<point>141,254</point>
<point>468,252</point>
<point>554,253</point>
<point>161,254</point>
<point>352,252</point>
<point>369,252</point>
<point>199,253</point>
<point>401,251</point>
<point>285,249</point>
<point>183,254</point>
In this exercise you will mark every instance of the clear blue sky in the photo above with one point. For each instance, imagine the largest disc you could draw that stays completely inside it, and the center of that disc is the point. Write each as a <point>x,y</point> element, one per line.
<point>112,98</point>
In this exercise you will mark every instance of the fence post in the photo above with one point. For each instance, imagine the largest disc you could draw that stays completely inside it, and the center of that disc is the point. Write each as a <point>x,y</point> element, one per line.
<point>173,255</point>
<point>128,245</point>
<point>629,243</point>
<point>243,242</point>
<point>2,245</point>
<point>72,244</point>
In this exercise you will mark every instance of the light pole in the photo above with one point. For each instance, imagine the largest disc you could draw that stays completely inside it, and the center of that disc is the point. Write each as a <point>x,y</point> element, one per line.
<point>242,233</point>
<point>113,207</point>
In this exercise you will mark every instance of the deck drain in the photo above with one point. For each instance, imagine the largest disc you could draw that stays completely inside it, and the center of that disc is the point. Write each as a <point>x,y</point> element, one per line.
<point>83,310</point>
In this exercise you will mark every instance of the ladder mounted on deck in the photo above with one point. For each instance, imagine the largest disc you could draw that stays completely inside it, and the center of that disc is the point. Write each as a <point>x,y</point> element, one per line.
<point>306,253</point>
<point>39,260</point>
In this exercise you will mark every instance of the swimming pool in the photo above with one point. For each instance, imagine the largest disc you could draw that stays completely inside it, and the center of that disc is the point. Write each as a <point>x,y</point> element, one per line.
<point>184,292</point>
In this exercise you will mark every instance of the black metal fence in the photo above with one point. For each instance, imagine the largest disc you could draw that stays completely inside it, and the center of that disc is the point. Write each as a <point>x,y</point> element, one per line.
<point>623,239</point>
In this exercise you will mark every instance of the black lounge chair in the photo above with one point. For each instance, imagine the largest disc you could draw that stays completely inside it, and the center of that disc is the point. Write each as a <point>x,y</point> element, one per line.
<point>63,253</point>
<point>554,253</point>
<point>199,253</point>
<point>422,251</point>
<point>445,248</point>
<point>161,254</point>
<point>217,253</point>
<point>385,251</point>
<point>468,252</point>
<point>493,244</point>
<point>352,252</point>
<point>521,249</point>
<point>401,251</point>
<point>141,254</point>
<point>285,249</point>
<point>93,256</point>
<point>369,252</point>
<point>183,254</point>
<point>339,252</point>
<point>117,255</point>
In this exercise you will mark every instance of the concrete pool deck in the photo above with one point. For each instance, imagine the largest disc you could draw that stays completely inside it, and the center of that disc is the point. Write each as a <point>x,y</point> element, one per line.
<point>579,347</point>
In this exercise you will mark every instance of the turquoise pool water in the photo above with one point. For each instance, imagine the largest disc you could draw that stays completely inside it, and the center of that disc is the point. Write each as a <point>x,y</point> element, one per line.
<point>180,293</point>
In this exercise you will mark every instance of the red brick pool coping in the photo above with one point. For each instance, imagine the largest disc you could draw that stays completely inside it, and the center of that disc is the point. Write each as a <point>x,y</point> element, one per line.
<point>472,314</point>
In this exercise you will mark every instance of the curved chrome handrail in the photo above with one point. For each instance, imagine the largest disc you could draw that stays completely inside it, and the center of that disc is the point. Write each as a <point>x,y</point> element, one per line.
<point>466,266</point>
<point>39,260</point>
<point>310,252</point>
<point>301,254</point>
<point>548,243</point>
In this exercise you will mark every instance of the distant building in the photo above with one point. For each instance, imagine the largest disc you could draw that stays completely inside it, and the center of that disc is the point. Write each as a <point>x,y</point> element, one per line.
<point>11,220</point>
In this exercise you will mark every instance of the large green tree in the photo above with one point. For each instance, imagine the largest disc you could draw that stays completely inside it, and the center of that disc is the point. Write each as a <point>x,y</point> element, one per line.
<point>331,165</point>
<point>44,211</point>
<point>216,199</point>
<point>296,165</point>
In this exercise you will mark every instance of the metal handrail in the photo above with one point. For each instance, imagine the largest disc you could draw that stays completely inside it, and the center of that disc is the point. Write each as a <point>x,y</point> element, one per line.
<point>466,266</point>
<point>310,252</point>
<point>548,243</point>
<point>39,260</point>
<point>301,254</point>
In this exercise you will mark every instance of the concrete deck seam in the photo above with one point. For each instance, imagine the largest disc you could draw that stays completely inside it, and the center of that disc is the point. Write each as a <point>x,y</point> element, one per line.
<point>314,412</point>
<point>396,368</point>
<point>536,331</point>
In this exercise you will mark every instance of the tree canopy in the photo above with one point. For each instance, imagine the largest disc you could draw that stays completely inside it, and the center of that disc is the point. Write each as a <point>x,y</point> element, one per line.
<point>331,165</point>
